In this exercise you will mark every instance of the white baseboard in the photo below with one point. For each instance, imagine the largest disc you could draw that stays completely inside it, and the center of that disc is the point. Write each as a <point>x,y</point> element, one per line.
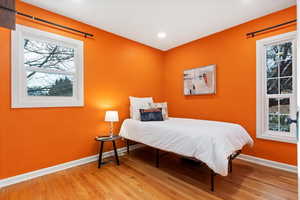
<point>268,163</point>
<point>56,168</point>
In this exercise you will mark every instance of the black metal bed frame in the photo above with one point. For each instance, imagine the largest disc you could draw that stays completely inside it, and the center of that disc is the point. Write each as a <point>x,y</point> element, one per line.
<point>212,173</point>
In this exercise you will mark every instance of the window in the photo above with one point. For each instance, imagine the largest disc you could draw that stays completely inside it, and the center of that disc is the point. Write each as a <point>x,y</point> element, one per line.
<point>47,69</point>
<point>276,87</point>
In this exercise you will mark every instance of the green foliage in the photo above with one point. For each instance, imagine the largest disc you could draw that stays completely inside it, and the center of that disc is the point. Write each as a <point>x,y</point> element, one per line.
<point>62,87</point>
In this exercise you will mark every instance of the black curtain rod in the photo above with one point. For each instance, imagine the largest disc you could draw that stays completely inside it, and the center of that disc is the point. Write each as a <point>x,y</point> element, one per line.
<point>252,34</point>
<point>47,22</point>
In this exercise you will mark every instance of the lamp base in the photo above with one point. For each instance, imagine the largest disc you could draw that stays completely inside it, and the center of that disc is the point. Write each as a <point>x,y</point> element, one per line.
<point>111,132</point>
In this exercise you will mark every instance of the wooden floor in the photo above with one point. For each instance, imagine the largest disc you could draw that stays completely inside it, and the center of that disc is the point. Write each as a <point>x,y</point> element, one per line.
<point>137,178</point>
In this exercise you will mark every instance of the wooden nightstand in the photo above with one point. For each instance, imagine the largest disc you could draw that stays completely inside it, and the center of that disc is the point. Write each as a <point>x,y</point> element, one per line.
<point>103,139</point>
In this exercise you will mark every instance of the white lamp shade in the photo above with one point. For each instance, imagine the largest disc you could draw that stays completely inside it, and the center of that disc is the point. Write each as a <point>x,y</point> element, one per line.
<point>111,116</point>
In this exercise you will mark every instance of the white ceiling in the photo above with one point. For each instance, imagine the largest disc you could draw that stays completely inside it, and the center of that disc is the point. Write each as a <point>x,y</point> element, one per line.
<point>182,20</point>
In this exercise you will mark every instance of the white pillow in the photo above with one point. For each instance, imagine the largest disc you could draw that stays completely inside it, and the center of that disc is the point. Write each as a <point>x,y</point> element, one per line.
<point>164,107</point>
<point>137,103</point>
<point>137,100</point>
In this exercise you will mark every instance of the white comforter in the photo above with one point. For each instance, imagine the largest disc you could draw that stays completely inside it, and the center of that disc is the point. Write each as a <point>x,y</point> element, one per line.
<point>209,141</point>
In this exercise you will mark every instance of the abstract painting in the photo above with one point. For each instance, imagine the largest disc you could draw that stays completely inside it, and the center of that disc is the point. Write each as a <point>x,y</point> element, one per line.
<point>201,80</point>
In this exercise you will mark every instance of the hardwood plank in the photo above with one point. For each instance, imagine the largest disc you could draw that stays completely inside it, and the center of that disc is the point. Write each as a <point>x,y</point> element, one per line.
<point>137,178</point>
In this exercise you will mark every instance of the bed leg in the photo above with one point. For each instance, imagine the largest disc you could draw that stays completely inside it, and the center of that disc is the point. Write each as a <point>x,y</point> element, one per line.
<point>127,142</point>
<point>157,158</point>
<point>212,180</point>
<point>230,164</point>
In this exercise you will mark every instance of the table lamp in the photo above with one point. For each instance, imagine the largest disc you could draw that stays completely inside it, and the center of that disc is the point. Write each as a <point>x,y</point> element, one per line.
<point>111,116</point>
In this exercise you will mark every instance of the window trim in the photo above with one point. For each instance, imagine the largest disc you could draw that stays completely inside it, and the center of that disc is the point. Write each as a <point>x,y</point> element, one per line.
<point>261,106</point>
<point>20,99</point>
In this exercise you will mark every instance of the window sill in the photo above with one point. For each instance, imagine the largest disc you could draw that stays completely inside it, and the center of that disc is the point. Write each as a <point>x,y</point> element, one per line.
<point>46,103</point>
<point>278,139</point>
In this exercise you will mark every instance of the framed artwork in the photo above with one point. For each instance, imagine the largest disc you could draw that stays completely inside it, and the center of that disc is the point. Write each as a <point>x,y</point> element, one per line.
<point>201,80</point>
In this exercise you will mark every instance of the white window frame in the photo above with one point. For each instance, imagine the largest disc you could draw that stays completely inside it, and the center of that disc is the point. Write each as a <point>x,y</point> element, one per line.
<point>20,99</point>
<point>262,111</point>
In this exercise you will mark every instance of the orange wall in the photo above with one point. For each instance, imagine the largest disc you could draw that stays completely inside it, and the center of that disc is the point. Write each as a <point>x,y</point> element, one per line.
<point>235,101</point>
<point>115,68</point>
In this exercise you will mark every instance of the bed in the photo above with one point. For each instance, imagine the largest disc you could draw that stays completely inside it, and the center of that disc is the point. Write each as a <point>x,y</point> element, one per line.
<point>211,142</point>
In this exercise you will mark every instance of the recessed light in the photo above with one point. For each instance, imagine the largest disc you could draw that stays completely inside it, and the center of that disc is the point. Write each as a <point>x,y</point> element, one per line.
<point>161,35</point>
